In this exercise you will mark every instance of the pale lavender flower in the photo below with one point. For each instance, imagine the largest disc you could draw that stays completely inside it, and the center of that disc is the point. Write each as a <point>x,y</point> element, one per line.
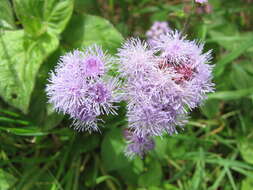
<point>155,101</point>
<point>156,30</point>
<point>186,61</point>
<point>79,87</point>
<point>136,59</point>
<point>201,1</point>
<point>137,145</point>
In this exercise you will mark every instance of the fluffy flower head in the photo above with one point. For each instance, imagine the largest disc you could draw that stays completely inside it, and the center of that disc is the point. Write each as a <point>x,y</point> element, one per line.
<point>80,88</point>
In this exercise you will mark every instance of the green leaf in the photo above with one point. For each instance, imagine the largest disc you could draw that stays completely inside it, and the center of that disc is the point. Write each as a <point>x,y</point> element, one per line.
<point>240,78</point>
<point>6,15</point>
<point>152,176</point>
<point>40,112</point>
<point>210,108</point>
<point>247,184</point>
<point>231,41</point>
<point>222,63</point>
<point>84,30</point>
<point>112,150</point>
<point>231,95</point>
<point>87,6</point>
<point>246,147</point>
<point>40,16</point>
<point>6,180</point>
<point>25,131</point>
<point>20,59</point>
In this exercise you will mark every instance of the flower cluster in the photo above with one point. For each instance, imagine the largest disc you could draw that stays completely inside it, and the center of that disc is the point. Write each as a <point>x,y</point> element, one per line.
<point>163,83</point>
<point>80,87</point>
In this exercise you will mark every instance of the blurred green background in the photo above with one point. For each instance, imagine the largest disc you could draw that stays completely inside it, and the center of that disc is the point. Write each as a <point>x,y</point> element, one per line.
<point>39,151</point>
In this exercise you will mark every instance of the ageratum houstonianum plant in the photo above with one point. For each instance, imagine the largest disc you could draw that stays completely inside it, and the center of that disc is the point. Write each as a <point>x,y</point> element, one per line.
<point>163,82</point>
<point>81,88</point>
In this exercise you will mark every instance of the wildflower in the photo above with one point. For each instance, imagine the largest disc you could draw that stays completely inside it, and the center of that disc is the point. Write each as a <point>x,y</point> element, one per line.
<point>155,101</point>
<point>186,61</point>
<point>136,59</point>
<point>80,88</point>
<point>156,30</point>
<point>138,146</point>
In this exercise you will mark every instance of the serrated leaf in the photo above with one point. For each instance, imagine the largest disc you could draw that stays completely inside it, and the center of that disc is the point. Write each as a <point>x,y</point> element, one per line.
<point>6,15</point>
<point>84,30</point>
<point>40,16</point>
<point>20,59</point>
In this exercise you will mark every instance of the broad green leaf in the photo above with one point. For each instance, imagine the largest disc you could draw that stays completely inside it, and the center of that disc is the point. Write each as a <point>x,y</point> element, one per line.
<point>40,112</point>
<point>20,59</point>
<point>84,30</point>
<point>152,176</point>
<point>40,16</point>
<point>112,150</point>
<point>231,95</point>
<point>130,173</point>
<point>6,15</point>
<point>6,180</point>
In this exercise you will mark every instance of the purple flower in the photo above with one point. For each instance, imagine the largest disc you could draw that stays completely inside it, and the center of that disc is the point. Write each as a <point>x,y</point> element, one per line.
<point>80,88</point>
<point>138,146</point>
<point>136,59</point>
<point>201,1</point>
<point>186,61</point>
<point>156,104</point>
<point>156,30</point>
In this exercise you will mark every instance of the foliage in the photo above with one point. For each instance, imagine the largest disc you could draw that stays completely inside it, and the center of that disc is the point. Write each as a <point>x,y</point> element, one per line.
<point>38,150</point>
